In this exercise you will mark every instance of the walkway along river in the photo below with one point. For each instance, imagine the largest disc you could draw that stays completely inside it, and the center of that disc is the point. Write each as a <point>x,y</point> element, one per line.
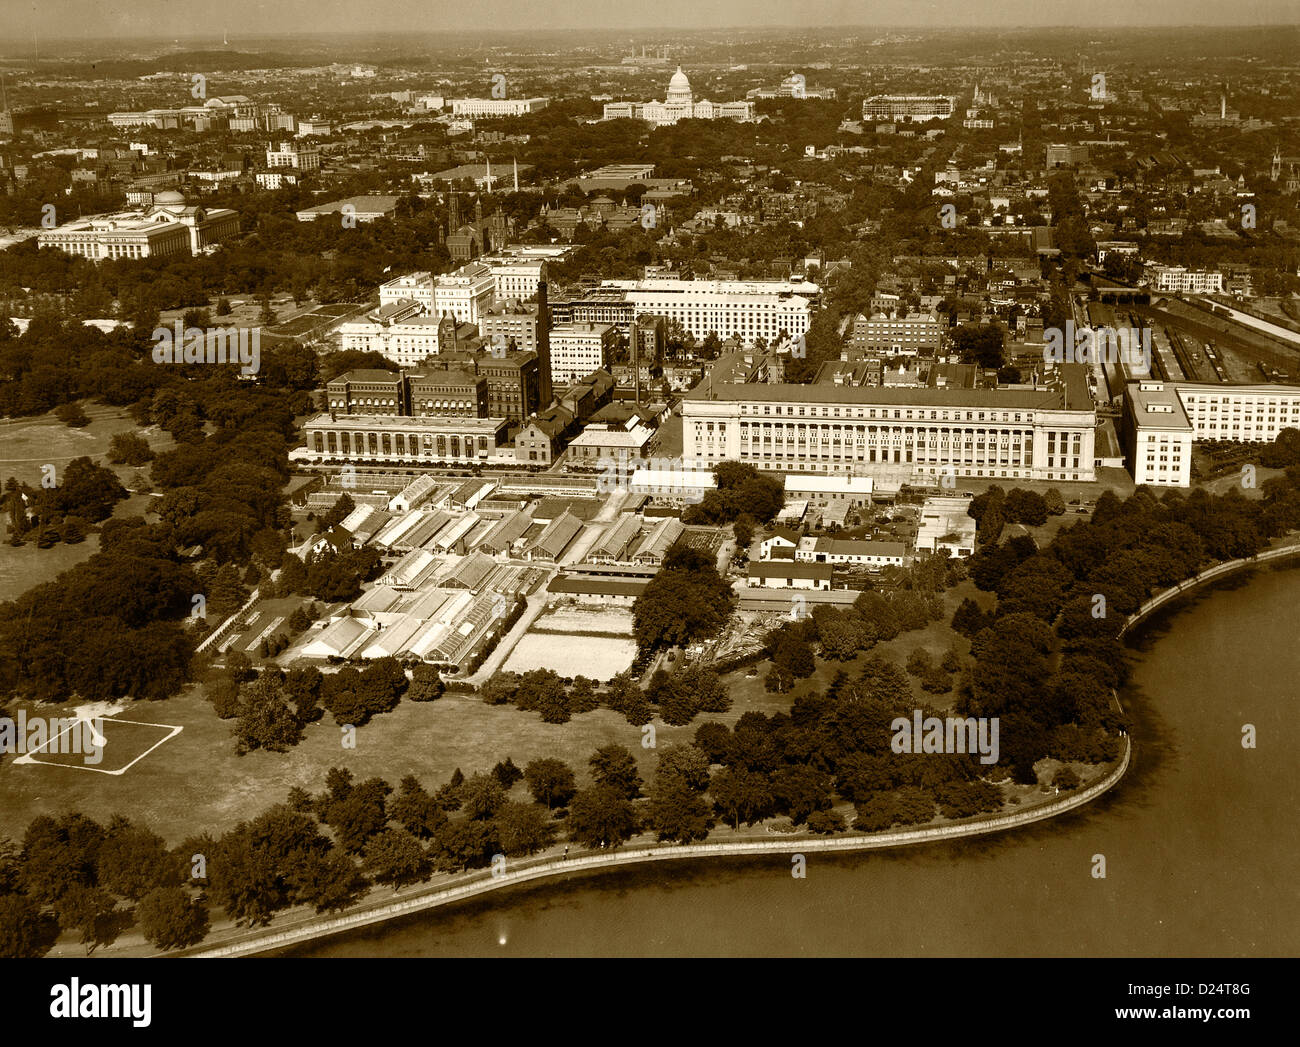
<point>1199,837</point>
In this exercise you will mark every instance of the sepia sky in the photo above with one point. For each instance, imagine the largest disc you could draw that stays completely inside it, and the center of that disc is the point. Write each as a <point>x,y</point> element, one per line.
<point>260,18</point>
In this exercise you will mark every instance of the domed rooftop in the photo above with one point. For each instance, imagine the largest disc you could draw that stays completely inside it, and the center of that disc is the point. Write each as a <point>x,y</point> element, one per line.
<point>170,198</point>
<point>679,87</point>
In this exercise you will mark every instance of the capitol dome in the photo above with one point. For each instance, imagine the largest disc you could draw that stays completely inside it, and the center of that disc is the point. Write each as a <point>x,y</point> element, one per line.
<point>679,88</point>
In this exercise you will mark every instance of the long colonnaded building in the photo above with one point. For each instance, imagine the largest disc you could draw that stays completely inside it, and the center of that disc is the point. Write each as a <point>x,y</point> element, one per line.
<point>1031,434</point>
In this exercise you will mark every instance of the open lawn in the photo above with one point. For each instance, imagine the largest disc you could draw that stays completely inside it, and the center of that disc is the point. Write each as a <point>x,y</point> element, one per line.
<point>196,783</point>
<point>29,443</point>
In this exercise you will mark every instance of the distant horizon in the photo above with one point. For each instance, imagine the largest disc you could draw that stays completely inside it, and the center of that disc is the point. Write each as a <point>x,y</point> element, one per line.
<point>146,21</point>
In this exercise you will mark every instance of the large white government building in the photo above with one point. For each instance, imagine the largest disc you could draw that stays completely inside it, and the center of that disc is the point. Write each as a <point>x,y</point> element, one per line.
<point>497,106</point>
<point>169,227</point>
<point>679,104</point>
<point>749,309</point>
<point>1163,419</point>
<point>1042,434</point>
<point>912,109</point>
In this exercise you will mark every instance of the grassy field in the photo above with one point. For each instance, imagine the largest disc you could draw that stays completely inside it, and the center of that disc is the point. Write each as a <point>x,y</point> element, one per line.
<point>195,782</point>
<point>29,443</point>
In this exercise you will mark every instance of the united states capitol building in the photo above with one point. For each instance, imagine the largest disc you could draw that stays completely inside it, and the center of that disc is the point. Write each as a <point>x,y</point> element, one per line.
<point>678,104</point>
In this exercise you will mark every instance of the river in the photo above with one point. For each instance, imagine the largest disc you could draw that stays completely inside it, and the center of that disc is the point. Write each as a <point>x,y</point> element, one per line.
<point>1200,841</point>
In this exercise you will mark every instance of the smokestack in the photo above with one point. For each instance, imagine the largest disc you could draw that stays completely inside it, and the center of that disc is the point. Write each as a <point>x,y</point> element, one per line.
<point>636,365</point>
<point>545,392</point>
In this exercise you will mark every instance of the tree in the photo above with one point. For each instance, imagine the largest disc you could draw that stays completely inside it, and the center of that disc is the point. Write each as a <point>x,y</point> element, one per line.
<point>507,773</point>
<point>522,828</point>
<point>92,911</point>
<point>686,601</point>
<point>676,811</point>
<point>132,861</point>
<point>550,781</point>
<point>1065,778</point>
<point>741,795</point>
<point>792,654</point>
<point>685,764</point>
<point>265,720</point>
<point>543,690</point>
<point>1054,502</point>
<point>394,857</point>
<point>129,449</point>
<point>72,415</point>
<point>426,684</point>
<point>500,688</point>
<point>919,662</point>
<point>582,696</point>
<point>601,816</point>
<point>26,933</point>
<point>415,810</point>
<point>328,882</point>
<point>615,766</point>
<point>743,531</point>
<point>826,822</point>
<point>800,790</point>
<point>481,796</point>
<point>358,813</point>
<point>59,855</point>
<point>88,490</point>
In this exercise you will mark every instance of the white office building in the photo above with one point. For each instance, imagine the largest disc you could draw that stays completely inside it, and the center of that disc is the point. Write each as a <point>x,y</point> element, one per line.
<point>579,349</point>
<point>471,107</point>
<point>1177,280</point>
<point>466,293</point>
<point>907,109</point>
<point>413,287</point>
<point>1250,413</point>
<point>746,309</point>
<point>1042,434</point>
<point>1158,435</point>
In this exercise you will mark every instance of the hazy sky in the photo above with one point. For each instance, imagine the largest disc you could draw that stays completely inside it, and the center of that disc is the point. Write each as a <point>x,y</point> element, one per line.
<point>176,18</point>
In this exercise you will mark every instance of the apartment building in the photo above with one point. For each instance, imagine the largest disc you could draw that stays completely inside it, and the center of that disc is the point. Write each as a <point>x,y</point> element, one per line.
<point>1178,280</point>
<point>296,155</point>
<point>916,335</point>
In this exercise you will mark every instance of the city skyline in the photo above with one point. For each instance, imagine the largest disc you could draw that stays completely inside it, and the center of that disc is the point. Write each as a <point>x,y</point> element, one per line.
<point>151,19</point>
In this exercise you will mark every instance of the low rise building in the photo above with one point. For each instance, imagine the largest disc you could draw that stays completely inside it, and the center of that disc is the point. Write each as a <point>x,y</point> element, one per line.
<point>776,575</point>
<point>946,525</point>
<point>875,555</point>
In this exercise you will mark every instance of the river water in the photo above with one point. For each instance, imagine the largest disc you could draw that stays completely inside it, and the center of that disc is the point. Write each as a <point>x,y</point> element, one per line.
<point>1200,841</point>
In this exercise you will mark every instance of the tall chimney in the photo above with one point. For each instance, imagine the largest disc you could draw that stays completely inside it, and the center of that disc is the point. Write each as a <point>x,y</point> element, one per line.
<point>545,393</point>
<point>636,362</point>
